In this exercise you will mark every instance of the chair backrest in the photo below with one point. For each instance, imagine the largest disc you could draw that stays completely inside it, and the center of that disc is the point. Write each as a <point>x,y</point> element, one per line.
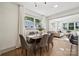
<point>27,38</point>
<point>23,42</point>
<point>73,39</point>
<point>31,33</point>
<point>69,36</point>
<point>50,38</point>
<point>44,40</point>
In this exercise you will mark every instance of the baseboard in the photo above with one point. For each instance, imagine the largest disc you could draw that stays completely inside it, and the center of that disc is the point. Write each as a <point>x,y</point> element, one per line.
<point>9,49</point>
<point>6,50</point>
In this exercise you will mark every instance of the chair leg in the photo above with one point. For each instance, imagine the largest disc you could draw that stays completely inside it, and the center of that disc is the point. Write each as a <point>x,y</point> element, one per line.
<point>17,51</point>
<point>48,46</point>
<point>22,52</point>
<point>52,44</point>
<point>40,51</point>
<point>29,54</point>
<point>26,52</point>
<point>34,52</point>
<point>77,50</point>
<point>71,50</point>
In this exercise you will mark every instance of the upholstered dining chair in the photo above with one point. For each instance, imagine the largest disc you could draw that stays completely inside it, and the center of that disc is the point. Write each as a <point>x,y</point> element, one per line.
<point>43,43</point>
<point>31,33</point>
<point>24,45</point>
<point>50,40</point>
<point>74,41</point>
<point>29,40</point>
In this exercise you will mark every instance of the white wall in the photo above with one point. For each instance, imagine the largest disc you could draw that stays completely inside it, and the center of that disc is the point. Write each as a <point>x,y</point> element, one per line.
<point>59,21</point>
<point>8,25</point>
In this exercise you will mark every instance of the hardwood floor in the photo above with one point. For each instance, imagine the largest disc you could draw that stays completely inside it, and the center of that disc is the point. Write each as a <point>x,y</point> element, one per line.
<point>61,48</point>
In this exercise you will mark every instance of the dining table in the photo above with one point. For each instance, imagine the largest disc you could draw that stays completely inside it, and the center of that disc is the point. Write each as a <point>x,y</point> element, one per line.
<point>36,36</point>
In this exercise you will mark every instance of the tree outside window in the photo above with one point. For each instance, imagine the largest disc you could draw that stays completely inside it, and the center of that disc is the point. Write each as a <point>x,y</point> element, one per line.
<point>29,18</point>
<point>37,23</point>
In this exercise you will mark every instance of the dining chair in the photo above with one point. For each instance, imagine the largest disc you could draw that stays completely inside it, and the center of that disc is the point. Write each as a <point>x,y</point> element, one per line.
<point>29,40</point>
<point>49,32</point>
<point>50,40</point>
<point>24,45</point>
<point>31,33</point>
<point>43,43</point>
<point>74,41</point>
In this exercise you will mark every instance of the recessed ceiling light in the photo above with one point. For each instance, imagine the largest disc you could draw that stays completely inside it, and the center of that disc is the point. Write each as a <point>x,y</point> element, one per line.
<point>55,6</point>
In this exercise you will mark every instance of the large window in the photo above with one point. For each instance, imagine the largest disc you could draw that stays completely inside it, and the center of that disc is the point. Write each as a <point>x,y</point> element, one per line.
<point>77,25</point>
<point>37,23</point>
<point>65,26</point>
<point>71,26</point>
<point>31,23</point>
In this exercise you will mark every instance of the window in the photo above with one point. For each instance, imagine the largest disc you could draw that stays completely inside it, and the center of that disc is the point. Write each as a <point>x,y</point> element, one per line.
<point>65,26</point>
<point>29,22</point>
<point>77,25</point>
<point>71,26</point>
<point>37,23</point>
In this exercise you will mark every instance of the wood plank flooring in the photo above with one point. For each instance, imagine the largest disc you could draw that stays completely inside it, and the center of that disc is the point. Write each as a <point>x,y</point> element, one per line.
<point>61,48</point>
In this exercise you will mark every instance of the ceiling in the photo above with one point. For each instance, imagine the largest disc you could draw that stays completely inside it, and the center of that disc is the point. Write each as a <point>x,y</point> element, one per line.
<point>50,8</point>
